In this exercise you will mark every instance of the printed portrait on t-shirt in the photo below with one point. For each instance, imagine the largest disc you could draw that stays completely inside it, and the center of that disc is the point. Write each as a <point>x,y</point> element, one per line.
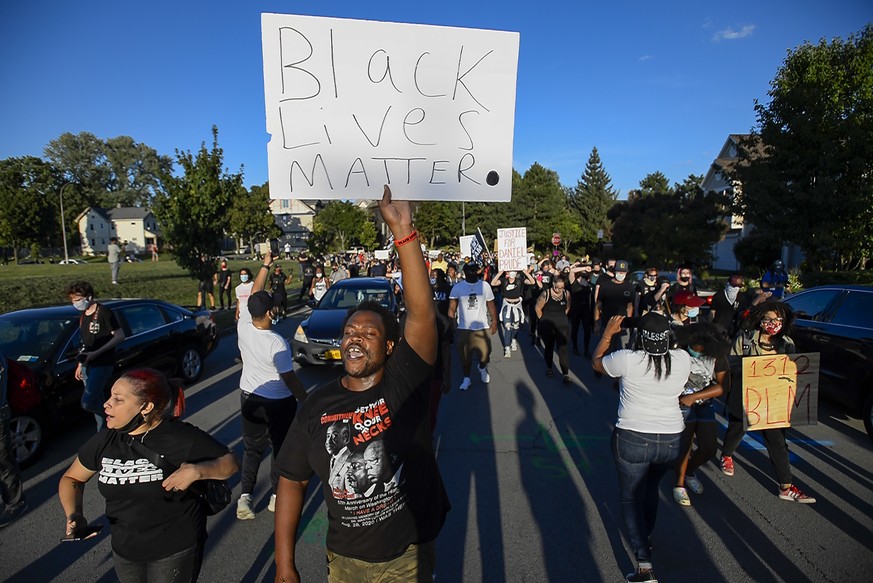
<point>365,476</point>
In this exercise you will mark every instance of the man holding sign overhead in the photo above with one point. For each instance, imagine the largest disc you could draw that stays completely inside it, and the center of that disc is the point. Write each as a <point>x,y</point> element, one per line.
<point>384,515</point>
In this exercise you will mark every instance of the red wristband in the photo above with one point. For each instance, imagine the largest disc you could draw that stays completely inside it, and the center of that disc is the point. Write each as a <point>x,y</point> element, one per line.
<point>407,239</point>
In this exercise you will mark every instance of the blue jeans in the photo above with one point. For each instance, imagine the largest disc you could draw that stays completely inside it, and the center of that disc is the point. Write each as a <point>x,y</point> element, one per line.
<point>94,395</point>
<point>181,567</point>
<point>642,459</point>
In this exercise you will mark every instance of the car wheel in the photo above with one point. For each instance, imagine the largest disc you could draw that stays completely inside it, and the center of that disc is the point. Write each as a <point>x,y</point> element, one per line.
<point>867,412</point>
<point>28,438</point>
<point>191,364</point>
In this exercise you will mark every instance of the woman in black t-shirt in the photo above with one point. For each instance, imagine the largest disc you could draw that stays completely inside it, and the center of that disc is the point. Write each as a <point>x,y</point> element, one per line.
<point>158,526</point>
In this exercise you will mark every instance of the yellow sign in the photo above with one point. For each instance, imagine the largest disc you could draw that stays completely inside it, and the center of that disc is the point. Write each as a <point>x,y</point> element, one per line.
<point>780,390</point>
<point>332,355</point>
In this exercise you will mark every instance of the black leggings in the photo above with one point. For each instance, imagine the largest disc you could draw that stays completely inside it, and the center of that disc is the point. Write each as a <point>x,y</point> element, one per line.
<point>774,440</point>
<point>707,443</point>
<point>586,318</point>
<point>555,332</point>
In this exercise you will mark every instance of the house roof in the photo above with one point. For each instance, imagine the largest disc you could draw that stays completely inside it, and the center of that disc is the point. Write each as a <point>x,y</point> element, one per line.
<point>127,213</point>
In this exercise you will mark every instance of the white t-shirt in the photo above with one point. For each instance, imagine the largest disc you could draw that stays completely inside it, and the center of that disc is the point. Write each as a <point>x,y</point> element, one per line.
<point>243,291</point>
<point>265,354</point>
<point>472,304</point>
<point>647,405</point>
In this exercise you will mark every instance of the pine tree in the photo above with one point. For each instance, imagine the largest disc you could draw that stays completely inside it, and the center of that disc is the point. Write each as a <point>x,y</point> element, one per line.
<point>592,199</point>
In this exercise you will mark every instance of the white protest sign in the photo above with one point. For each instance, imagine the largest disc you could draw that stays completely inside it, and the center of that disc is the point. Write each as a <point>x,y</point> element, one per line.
<point>352,105</point>
<point>382,254</point>
<point>512,249</point>
<point>464,244</point>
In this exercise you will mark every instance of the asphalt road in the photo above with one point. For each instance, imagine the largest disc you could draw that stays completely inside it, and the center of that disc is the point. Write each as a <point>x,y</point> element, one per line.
<point>527,465</point>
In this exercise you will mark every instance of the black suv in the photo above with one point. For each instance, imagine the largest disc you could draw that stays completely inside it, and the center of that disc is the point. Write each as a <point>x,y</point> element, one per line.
<point>837,321</point>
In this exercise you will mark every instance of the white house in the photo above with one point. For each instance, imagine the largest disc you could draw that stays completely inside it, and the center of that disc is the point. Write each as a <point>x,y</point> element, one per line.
<point>716,180</point>
<point>135,226</point>
<point>295,218</point>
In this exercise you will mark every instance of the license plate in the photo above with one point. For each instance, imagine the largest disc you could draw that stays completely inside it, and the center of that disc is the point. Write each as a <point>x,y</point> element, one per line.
<point>332,355</point>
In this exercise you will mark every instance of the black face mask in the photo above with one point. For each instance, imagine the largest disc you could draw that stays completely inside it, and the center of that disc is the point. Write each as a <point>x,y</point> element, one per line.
<point>137,420</point>
<point>684,279</point>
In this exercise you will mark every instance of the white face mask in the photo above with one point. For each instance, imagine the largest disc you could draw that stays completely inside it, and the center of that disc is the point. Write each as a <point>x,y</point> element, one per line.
<point>619,277</point>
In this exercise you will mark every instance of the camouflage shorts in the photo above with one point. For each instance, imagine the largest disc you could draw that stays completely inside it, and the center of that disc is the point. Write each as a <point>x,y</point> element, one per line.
<point>416,565</point>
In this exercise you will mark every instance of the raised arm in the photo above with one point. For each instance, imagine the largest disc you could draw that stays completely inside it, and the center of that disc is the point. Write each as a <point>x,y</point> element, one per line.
<point>263,272</point>
<point>420,328</point>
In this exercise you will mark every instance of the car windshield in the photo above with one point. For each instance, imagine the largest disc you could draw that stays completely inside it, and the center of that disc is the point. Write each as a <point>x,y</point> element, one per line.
<point>31,340</point>
<point>343,298</point>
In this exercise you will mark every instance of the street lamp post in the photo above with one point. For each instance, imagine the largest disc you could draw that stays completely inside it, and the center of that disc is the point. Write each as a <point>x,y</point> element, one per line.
<point>63,223</point>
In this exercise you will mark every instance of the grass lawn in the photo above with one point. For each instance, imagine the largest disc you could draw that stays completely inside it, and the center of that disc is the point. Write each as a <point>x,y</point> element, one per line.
<point>26,286</point>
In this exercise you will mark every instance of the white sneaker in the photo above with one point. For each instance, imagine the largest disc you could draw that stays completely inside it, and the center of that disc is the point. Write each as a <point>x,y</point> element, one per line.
<point>507,352</point>
<point>483,372</point>
<point>514,344</point>
<point>244,507</point>
<point>465,384</point>
<point>272,505</point>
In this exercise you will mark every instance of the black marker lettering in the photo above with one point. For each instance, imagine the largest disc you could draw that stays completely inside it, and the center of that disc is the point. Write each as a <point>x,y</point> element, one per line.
<point>459,78</point>
<point>435,170</point>
<point>415,78</point>
<point>285,138</point>
<point>463,127</point>
<point>408,164</point>
<point>292,66</point>
<point>381,127</point>
<point>357,162</point>
<point>462,170</point>
<point>386,73</point>
<point>309,181</point>
<point>333,66</point>
<point>406,122</point>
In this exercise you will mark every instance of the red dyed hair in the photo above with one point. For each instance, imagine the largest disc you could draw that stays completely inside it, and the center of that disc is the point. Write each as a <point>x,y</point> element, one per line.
<point>151,386</point>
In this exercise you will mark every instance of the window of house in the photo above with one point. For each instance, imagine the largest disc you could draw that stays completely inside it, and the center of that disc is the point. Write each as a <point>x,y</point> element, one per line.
<point>92,242</point>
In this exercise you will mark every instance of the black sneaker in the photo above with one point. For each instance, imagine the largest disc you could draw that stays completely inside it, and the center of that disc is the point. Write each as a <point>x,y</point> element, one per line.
<point>647,576</point>
<point>12,513</point>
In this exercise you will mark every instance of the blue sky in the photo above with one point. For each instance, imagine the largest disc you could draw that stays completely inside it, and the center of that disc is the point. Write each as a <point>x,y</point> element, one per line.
<point>654,86</point>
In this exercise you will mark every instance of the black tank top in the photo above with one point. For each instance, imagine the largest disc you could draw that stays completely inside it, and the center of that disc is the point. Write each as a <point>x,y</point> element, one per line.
<point>555,308</point>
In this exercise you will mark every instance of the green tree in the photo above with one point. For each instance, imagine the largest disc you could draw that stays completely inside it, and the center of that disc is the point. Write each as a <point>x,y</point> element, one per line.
<point>107,173</point>
<point>668,226</point>
<point>806,171</point>
<point>193,211</point>
<point>28,199</point>
<point>591,200</point>
<point>249,218</point>
<point>438,223</point>
<point>538,202</point>
<point>341,224</point>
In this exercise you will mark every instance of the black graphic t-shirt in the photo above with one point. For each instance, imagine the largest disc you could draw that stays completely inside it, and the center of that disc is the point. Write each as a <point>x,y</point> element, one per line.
<point>614,297</point>
<point>147,522</point>
<point>96,330</point>
<point>511,290</point>
<point>372,451</point>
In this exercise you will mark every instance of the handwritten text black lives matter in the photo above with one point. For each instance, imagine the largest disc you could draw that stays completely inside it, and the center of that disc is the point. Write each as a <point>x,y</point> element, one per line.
<point>410,123</point>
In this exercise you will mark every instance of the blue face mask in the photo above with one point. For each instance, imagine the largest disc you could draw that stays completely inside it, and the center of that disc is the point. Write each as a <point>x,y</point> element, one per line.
<point>243,278</point>
<point>693,312</point>
<point>694,353</point>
